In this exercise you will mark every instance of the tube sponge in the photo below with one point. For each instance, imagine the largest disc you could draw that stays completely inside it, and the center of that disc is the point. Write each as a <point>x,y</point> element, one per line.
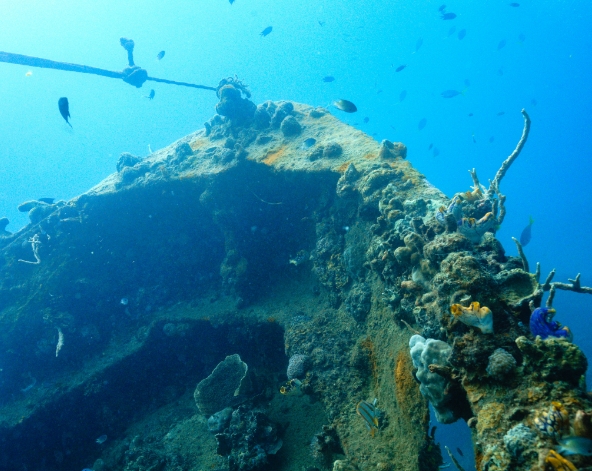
<point>425,352</point>
<point>475,316</point>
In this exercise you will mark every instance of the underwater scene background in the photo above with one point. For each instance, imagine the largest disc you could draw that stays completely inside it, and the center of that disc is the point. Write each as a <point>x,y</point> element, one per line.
<point>398,61</point>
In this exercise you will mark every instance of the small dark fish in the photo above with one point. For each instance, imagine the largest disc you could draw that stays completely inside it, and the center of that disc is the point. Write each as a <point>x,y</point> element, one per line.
<point>474,140</point>
<point>501,113</point>
<point>467,83</point>
<point>394,129</point>
<point>442,8</point>
<point>462,33</point>
<point>491,139</point>
<point>501,44</point>
<point>526,233</point>
<point>402,95</point>
<point>431,145</point>
<point>534,102</point>
<point>379,92</point>
<point>64,108</point>
<point>451,31</point>
<point>150,96</point>
<point>471,114</point>
<point>418,44</point>
<point>521,37</point>
<point>266,31</point>
<point>322,23</point>
<point>231,1</point>
<point>514,4</point>
<point>345,105</point>
<point>422,123</point>
<point>436,152</point>
<point>401,67</point>
<point>307,144</point>
<point>500,72</point>
<point>160,55</point>
<point>433,432</point>
<point>46,200</point>
<point>328,78</point>
<point>459,451</point>
<point>448,16</point>
<point>450,93</point>
<point>366,119</point>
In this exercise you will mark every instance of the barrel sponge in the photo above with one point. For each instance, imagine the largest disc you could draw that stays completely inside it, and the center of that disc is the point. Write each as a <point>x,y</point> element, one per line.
<point>425,352</point>
<point>501,363</point>
<point>225,387</point>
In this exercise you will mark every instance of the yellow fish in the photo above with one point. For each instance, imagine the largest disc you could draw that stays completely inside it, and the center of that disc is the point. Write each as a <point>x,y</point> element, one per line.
<point>28,74</point>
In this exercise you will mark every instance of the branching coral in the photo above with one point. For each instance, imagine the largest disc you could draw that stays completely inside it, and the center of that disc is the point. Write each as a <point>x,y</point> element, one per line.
<point>494,185</point>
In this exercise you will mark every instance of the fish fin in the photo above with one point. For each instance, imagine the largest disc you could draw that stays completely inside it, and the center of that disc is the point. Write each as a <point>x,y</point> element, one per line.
<point>530,220</point>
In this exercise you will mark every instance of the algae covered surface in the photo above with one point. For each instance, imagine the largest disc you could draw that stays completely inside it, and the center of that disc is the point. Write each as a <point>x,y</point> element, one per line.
<point>168,306</point>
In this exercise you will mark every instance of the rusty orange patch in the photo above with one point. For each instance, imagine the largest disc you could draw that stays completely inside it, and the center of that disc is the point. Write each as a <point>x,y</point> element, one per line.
<point>343,167</point>
<point>370,156</point>
<point>273,156</point>
<point>198,143</point>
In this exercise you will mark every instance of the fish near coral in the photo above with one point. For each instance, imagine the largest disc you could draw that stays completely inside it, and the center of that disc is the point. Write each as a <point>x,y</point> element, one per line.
<point>542,323</point>
<point>369,413</point>
<point>474,316</point>
<point>575,446</point>
<point>292,388</point>
<point>553,422</point>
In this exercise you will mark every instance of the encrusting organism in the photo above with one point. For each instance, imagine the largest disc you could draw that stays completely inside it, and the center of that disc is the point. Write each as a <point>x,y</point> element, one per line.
<point>474,316</point>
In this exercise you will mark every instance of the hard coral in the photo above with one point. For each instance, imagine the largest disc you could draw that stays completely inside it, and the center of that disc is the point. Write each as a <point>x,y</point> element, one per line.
<point>474,316</point>
<point>501,363</point>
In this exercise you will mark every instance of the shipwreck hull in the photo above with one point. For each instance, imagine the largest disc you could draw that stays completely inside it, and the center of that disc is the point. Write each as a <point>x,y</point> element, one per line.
<point>247,237</point>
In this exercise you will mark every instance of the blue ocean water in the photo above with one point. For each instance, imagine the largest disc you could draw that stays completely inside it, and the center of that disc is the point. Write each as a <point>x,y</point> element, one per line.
<point>536,56</point>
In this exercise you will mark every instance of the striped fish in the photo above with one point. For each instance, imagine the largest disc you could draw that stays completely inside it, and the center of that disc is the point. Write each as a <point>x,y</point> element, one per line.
<point>368,412</point>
